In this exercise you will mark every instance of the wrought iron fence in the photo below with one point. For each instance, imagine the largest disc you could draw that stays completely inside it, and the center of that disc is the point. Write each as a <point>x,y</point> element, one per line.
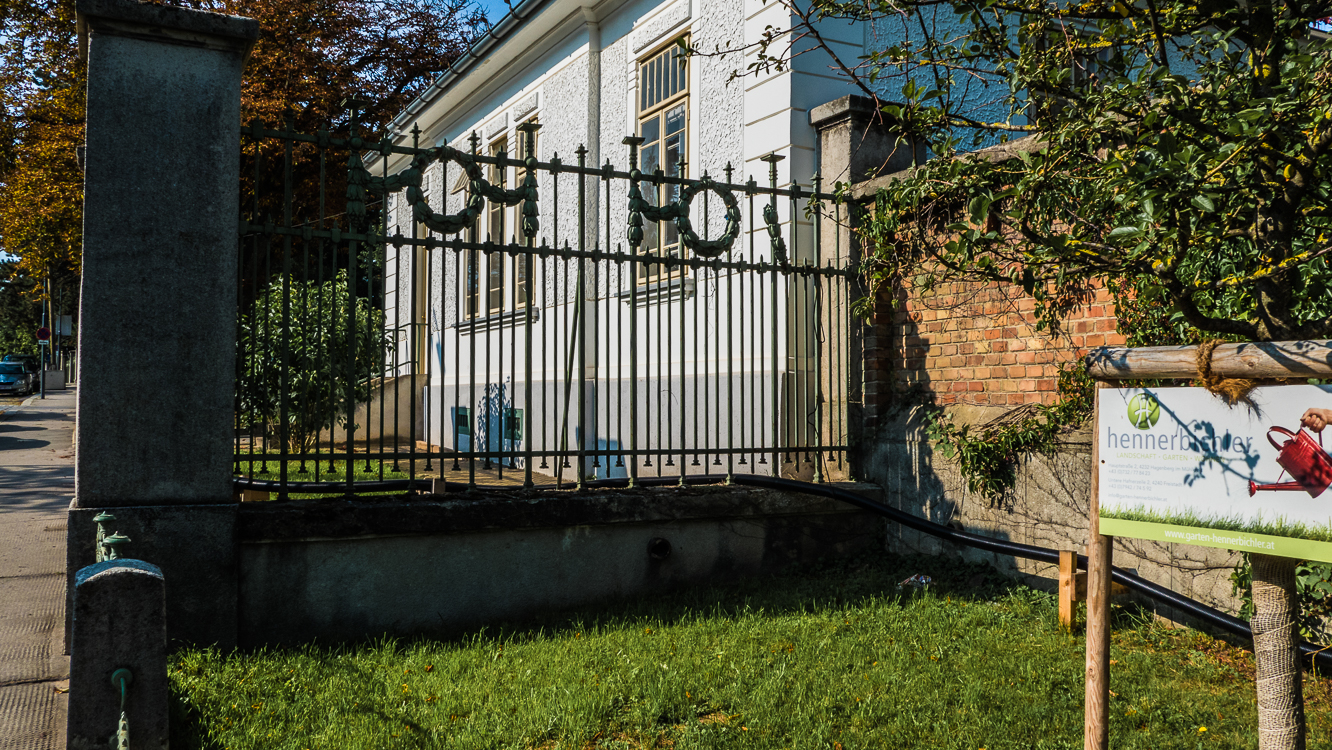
<point>438,325</point>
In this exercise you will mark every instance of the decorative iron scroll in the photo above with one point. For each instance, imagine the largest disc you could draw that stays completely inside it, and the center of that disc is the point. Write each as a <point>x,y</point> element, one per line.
<point>775,234</point>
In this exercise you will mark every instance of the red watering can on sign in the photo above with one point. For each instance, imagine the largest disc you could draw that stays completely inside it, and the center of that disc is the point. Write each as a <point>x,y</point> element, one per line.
<point>1308,465</point>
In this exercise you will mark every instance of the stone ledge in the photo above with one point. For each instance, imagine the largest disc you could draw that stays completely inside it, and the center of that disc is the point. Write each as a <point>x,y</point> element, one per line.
<point>844,108</point>
<point>170,17</point>
<point>165,24</point>
<point>293,520</point>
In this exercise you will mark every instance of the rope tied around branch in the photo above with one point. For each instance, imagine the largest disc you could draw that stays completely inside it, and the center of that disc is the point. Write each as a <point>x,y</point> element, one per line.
<point>1231,390</point>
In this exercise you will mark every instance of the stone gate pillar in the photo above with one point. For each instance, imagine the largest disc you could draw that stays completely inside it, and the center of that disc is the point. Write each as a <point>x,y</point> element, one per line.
<point>158,310</point>
<point>855,148</point>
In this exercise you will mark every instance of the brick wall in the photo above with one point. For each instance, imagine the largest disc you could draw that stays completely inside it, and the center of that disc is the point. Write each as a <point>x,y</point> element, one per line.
<point>977,344</point>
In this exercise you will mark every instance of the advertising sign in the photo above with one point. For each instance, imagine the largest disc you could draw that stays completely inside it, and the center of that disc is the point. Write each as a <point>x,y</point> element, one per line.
<point>1179,465</point>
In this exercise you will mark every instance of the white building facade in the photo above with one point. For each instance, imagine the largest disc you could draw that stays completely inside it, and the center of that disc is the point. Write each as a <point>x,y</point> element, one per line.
<point>561,356</point>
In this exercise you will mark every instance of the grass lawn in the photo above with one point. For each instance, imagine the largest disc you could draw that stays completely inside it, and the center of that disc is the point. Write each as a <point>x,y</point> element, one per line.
<point>254,467</point>
<point>834,657</point>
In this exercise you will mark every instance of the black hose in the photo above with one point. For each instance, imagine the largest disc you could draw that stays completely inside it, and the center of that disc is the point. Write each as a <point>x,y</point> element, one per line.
<point>1196,609</point>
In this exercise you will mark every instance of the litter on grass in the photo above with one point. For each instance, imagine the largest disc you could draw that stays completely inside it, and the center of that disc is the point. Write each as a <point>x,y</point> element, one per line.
<point>918,581</point>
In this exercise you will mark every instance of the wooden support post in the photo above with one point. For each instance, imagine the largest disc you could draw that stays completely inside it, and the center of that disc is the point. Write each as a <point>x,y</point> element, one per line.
<point>1096,725</point>
<point>1068,572</point>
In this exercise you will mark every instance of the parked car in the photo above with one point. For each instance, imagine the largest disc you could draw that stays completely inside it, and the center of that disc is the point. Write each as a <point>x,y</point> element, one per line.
<point>17,378</point>
<point>32,361</point>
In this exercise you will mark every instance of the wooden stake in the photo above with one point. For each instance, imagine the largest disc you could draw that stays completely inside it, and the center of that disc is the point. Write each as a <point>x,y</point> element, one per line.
<point>1068,574</point>
<point>1096,725</point>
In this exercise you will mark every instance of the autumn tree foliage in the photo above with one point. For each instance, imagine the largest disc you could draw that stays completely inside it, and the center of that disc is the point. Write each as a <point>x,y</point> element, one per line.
<point>41,122</point>
<point>311,57</point>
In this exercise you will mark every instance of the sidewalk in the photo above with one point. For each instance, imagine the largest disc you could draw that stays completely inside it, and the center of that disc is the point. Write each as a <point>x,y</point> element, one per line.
<point>36,484</point>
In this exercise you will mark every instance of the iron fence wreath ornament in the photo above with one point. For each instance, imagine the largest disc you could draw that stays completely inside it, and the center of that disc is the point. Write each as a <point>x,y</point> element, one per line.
<point>701,247</point>
<point>360,183</point>
<point>678,211</point>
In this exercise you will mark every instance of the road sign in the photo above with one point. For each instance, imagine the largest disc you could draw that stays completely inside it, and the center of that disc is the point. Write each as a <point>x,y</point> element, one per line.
<point>43,333</point>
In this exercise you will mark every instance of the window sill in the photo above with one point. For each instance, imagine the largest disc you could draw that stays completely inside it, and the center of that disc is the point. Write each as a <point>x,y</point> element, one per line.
<point>661,291</point>
<point>511,319</point>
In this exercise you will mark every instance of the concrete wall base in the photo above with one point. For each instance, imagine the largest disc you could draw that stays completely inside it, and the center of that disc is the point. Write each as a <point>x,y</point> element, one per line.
<point>339,570</point>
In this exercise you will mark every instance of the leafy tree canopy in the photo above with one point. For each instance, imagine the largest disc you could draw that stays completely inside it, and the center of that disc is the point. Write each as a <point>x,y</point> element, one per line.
<point>1184,155</point>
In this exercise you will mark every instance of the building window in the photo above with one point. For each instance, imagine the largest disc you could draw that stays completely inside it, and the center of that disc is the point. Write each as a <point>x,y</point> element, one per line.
<point>1086,60</point>
<point>489,279</point>
<point>520,175</point>
<point>495,232</point>
<point>663,119</point>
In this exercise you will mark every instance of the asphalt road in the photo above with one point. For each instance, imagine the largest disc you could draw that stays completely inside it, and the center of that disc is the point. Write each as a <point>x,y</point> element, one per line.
<point>36,484</point>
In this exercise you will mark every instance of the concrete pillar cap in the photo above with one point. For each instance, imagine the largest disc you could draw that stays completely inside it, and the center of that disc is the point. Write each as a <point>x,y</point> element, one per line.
<point>164,23</point>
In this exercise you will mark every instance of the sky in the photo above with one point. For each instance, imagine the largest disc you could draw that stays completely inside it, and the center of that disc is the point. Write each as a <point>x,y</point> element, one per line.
<point>494,9</point>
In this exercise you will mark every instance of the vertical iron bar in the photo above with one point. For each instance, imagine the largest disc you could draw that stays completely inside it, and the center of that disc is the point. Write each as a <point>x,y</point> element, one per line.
<point>414,353</point>
<point>700,311</point>
<point>776,368</point>
<point>633,337</point>
<point>459,312</point>
<point>579,330</point>
<point>284,435</point>
<point>321,248</point>
<point>818,327</point>
<point>383,244</point>
<point>475,258</point>
<point>529,162</point>
<point>797,335</point>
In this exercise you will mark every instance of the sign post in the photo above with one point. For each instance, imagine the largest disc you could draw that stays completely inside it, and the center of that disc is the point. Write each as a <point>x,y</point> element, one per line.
<point>1180,465</point>
<point>1096,725</point>
<point>44,340</point>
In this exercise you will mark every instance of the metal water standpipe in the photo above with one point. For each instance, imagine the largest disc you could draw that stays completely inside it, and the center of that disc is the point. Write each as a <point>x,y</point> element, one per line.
<point>102,519</point>
<point>113,544</point>
<point>120,680</point>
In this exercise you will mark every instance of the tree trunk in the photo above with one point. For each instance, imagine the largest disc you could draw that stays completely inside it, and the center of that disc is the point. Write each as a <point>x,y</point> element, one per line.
<point>1275,635</point>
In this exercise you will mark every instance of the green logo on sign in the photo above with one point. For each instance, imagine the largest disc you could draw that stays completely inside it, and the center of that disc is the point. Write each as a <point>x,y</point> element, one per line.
<point>1143,411</point>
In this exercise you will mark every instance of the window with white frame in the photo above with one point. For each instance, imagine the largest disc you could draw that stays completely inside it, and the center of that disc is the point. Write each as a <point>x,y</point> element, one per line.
<point>663,124</point>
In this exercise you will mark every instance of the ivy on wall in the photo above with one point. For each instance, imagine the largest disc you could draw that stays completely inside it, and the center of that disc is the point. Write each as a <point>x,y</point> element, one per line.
<point>988,457</point>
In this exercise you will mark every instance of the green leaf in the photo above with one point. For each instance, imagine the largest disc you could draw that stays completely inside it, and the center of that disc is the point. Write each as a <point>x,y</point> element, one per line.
<point>1123,234</point>
<point>1203,203</point>
<point>979,207</point>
